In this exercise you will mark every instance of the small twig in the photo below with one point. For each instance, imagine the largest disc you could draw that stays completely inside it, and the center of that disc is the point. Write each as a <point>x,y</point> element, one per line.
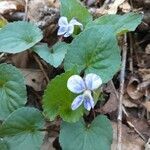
<point>131,125</point>
<point>125,112</point>
<point>26,10</point>
<point>121,93</point>
<point>131,53</point>
<point>41,67</point>
<point>105,3</point>
<point>147,99</point>
<point>117,95</point>
<point>1,55</point>
<point>131,3</point>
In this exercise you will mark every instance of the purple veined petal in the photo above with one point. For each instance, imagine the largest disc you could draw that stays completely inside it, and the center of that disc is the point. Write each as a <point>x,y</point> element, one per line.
<point>93,81</point>
<point>69,31</point>
<point>62,30</point>
<point>76,84</point>
<point>88,101</point>
<point>75,22</point>
<point>77,102</point>
<point>63,21</point>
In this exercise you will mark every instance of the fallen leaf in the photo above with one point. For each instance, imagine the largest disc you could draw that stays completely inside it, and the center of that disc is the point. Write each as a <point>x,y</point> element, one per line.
<point>144,73</point>
<point>125,7</point>
<point>113,8</point>
<point>112,103</point>
<point>9,5</point>
<point>20,60</point>
<point>130,140</point>
<point>147,105</point>
<point>48,144</point>
<point>147,49</point>
<point>141,125</point>
<point>107,8</point>
<point>133,90</point>
<point>34,78</point>
<point>147,145</point>
<point>127,102</point>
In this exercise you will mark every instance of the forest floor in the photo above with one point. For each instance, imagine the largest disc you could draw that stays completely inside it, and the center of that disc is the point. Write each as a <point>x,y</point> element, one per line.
<point>135,92</point>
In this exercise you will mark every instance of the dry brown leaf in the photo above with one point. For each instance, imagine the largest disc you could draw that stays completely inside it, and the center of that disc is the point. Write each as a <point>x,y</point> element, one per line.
<point>9,5</point>
<point>147,105</point>
<point>54,3</point>
<point>130,140</point>
<point>125,7</point>
<point>112,103</point>
<point>43,12</point>
<point>147,145</point>
<point>147,49</point>
<point>133,90</point>
<point>113,8</point>
<point>141,125</point>
<point>144,73</point>
<point>34,78</point>
<point>127,102</point>
<point>48,144</point>
<point>20,60</point>
<point>145,87</point>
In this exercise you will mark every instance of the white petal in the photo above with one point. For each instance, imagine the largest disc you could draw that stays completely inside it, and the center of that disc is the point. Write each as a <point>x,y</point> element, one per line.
<point>88,102</point>
<point>77,102</point>
<point>92,81</point>
<point>63,21</point>
<point>76,84</point>
<point>69,31</point>
<point>62,30</point>
<point>75,22</point>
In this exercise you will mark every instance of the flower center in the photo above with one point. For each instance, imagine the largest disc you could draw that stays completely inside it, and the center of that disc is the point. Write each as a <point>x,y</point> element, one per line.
<point>87,94</point>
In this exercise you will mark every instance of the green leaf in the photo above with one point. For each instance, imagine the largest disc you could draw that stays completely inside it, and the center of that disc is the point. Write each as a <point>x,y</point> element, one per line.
<point>19,36</point>
<point>95,50</point>
<point>53,56</point>
<point>3,144</point>
<point>79,136</point>
<point>120,23</point>
<point>12,90</point>
<point>74,8</point>
<point>57,99</point>
<point>21,129</point>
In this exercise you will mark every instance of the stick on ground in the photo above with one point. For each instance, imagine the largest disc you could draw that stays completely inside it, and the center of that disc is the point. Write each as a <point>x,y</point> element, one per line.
<point>121,93</point>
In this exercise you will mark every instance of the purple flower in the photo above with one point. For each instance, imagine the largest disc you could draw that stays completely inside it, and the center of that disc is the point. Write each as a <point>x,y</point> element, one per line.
<point>65,28</point>
<point>85,86</point>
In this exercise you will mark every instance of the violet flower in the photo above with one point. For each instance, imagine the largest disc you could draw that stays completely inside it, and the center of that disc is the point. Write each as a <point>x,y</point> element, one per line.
<point>65,28</point>
<point>85,86</point>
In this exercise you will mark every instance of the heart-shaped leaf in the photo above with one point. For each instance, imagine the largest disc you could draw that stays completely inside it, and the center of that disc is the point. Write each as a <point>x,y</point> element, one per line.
<point>74,9</point>
<point>21,129</point>
<point>57,99</point>
<point>19,36</point>
<point>79,136</point>
<point>95,50</point>
<point>53,56</point>
<point>120,23</point>
<point>12,90</point>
